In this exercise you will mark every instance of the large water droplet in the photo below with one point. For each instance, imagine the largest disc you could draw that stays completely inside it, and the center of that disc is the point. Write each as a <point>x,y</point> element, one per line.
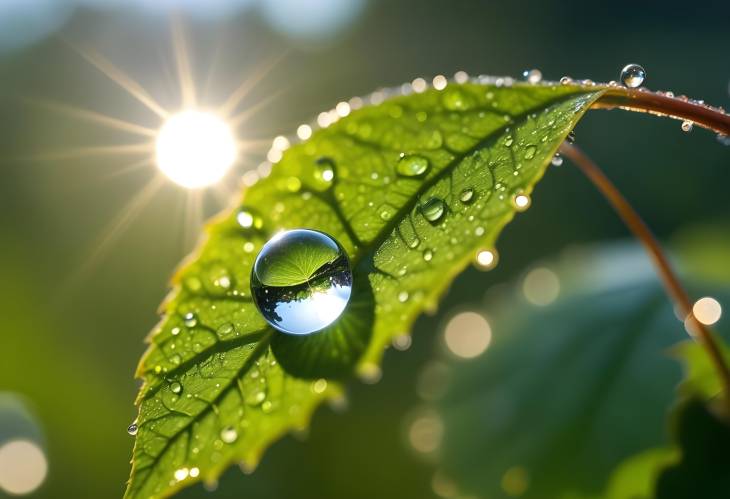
<point>301,281</point>
<point>433,209</point>
<point>175,387</point>
<point>633,75</point>
<point>412,165</point>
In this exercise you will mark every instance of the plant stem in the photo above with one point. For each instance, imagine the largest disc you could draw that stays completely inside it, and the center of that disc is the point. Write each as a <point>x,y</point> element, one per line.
<point>676,292</point>
<point>663,105</point>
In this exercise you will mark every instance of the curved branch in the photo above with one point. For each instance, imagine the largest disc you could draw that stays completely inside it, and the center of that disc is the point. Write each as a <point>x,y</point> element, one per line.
<point>633,221</point>
<point>661,104</point>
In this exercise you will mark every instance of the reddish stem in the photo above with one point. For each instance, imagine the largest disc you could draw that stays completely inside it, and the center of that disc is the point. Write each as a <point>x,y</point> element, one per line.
<point>664,105</point>
<point>676,292</point>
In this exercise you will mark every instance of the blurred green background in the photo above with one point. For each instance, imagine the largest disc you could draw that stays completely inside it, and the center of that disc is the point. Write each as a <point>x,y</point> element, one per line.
<point>82,272</point>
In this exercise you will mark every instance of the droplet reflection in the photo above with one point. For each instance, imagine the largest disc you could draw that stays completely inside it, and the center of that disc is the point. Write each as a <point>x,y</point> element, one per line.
<point>301,281</point>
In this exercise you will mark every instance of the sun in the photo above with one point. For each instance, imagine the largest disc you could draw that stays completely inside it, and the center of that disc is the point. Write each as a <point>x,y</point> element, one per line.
<point>195,149</point>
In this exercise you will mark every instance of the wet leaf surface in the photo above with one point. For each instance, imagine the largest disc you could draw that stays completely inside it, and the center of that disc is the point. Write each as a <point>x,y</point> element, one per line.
<point>412,189</point>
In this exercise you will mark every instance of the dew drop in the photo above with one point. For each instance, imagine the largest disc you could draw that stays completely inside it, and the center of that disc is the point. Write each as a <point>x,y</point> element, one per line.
<point>256,398</point>
<point>687,126</point>
<point>433,209</point>
<point>175,387</point>
<point>386,212</point>
<point>181,474</point>
<point>132,429</point>
<point>190,319</point>
<point>530,152</point>
<point>412,165</point>
<point>301,281</point>
<point>467,195</point>
<point>532,75</point>
<point>571,137</point>
<point>427,255</point>
<point>521,202</point>
<point>325,169</point>
<point>508,141</point>
<point>633,75</point>
<point>226,330</point>
<point>486,259</point>
<point>557,160</point>
<point>229,434</point>
<point>403,296</point>
<point>175,331</point>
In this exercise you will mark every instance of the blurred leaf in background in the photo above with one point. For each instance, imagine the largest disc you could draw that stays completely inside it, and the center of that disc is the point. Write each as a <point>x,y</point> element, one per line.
<point>571,387</point>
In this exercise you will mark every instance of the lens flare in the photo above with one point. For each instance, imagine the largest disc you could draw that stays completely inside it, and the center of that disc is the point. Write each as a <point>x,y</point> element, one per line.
<point>195,149</point>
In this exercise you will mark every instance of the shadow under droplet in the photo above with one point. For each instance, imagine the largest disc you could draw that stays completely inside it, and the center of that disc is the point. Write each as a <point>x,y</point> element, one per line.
<point>334,351</point>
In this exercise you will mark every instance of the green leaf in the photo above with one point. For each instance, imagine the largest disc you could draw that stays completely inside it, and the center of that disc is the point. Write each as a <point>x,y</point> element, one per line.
<point>635,478</point>
<point>694,466</point>
<point>700,378</point>
<point>702,471</point>
<point>412,189</point>
<point>567,392</point>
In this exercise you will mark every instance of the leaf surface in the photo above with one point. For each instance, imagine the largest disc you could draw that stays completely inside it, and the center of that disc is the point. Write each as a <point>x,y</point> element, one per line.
<point>412,189</point>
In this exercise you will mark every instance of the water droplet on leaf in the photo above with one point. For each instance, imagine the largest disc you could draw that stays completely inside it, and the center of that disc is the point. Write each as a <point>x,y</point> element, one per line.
<point>486,259</point>
<point>190,319</point>
<point>412,165</point>
<point>433,209</point>
<point>132,429</point>
<point>532,75</point>
<point>229,434</point>
<point>301,281</point>
<point>467,195</point>
<point>633,75</point>
<point>175,387</point>
<point>325,169</point>
<point>521,202</point>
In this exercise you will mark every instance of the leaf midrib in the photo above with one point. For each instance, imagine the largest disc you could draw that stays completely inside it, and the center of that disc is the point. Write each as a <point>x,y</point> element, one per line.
<point>429,182</point>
